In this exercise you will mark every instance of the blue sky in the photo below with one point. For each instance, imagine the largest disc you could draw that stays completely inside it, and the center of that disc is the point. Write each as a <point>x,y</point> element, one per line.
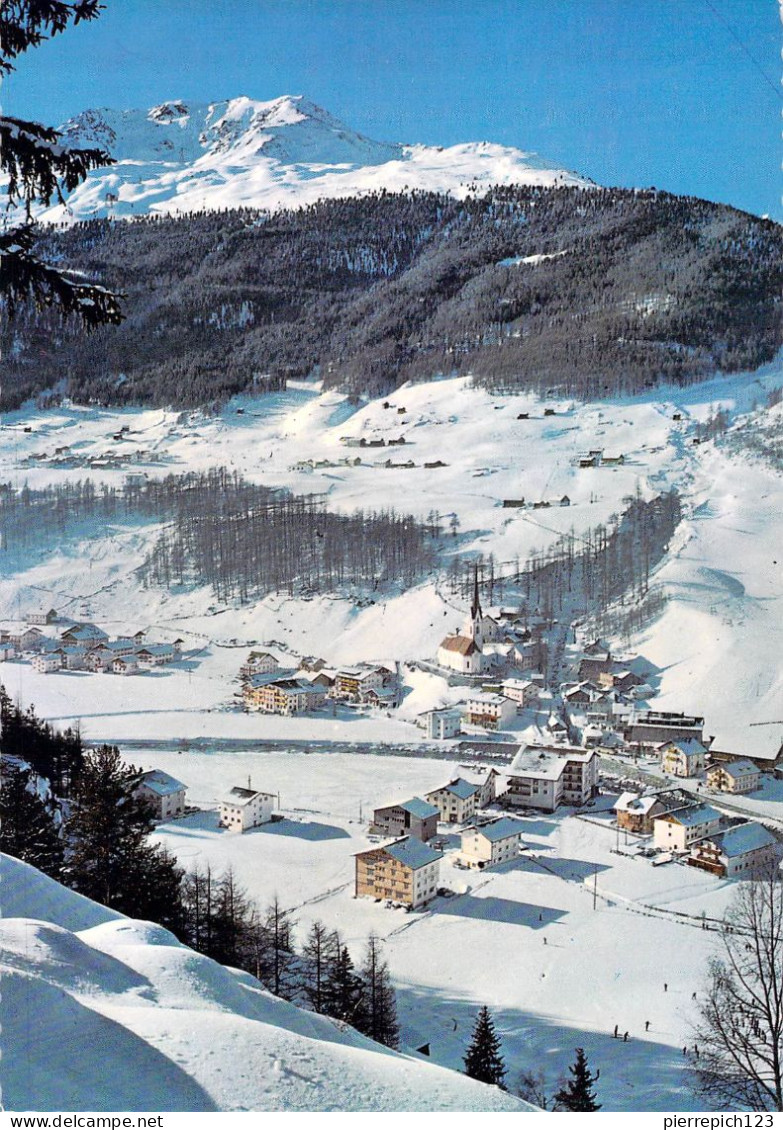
<point>681,94</point>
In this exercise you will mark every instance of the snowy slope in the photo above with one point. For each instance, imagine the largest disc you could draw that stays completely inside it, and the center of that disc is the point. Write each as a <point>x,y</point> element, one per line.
<point>159,1027</point>
<point>723,574</point>
<point>182,157</point>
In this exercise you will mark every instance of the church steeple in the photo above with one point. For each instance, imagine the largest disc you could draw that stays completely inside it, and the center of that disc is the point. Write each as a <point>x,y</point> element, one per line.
<point>473,626</point>
<point>475,608</point>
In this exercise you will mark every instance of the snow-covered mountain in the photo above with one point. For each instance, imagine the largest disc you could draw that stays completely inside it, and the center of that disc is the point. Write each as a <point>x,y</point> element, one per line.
<point>185,157</point>
<point>159,1027</point>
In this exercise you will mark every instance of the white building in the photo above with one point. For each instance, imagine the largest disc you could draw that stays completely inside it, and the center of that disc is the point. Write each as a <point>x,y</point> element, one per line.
<point>734,777</point>
<point>679,830</point>
<point>523,692</point>
<point>165,793</point>
<point>245,808</point>
<point>490,711</point>
<point>457,801</point>
<point>464,652</point>
<point>685,757</point>
<point>47,662</point>
<point>739,852</point>
<point>547,776</point>
<point>445,722</point>
<point>492,843</point>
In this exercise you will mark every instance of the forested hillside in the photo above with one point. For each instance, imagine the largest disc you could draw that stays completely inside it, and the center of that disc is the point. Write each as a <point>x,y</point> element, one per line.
<point>581,291</point>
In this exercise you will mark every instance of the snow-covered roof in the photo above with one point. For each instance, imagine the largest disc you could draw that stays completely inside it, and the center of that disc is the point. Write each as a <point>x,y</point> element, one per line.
<point>501,829</point>
<point>419,808</point>
<point>688,746</point>
<point>412,852</point>
<point>240,797</point>
<point>762,743</point>
<point>744,838</point>
<point>161,783</point>
<point>631,802</point>
<point>694,815</point>
<point>459,788</point>
<point>737,768</point>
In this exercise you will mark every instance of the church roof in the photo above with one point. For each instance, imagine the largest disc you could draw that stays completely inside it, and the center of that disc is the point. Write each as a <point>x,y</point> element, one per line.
<point>463,645</point>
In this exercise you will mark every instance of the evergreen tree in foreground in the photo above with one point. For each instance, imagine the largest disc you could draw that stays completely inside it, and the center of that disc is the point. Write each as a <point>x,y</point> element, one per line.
<point>376,1015</point>
<point>343,990</point>
<point>578,1093</point>
<point>483,1060</point>
<point>28,826</point>
<point>108,857</point>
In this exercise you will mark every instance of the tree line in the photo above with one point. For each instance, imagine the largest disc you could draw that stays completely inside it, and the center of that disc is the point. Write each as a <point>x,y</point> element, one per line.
<point>242,538</point>
<point>635,287</point>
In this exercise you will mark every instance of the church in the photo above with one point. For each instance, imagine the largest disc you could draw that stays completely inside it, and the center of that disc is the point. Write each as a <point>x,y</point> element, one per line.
<point>465,652</point>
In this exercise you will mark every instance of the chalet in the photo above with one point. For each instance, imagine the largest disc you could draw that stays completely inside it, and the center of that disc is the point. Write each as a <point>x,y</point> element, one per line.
<point>513,503</point>
<point>637,813</point>
<point>120,647</point>
<point>584,461</point>
<point>620,680</point>
<point>524,692</point>
<point>259,663</point>
<point>311,663</point>
<point>489,844</point>
<point>284,696</point>
<point>405,871</point>
<point>84,633</point>
<point>351,682</point>
<point>458,801</point>
<point>381,698</point>
<point>653,727</point>
<point>760,743</point>
<point>547,776</point>
<point>445,722</point>
<point>739,852</point>
<point>414,817</point>
<point>565,501</point>
<point>489,711</point>
<point>613,460</point>
<point>99,659</point>
<point>46,663</point>
<point>25,639</point>
<point>43,616</point>
<point>165,793</point>
<point>245,808</point>
<point>74,657</point>
<point>741,776</point>
<point>679,830</point>
<point>683,758</point>
<point>125,665</point>
<point>156,654</point>
<point>594,664</point>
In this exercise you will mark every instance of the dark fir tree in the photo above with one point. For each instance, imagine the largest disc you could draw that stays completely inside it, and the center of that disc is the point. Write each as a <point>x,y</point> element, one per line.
<point>376,1016</point>
<point>29,825</point>
<point>578,1094</point>
<point>39,170</point>
<point>483,1060</point>
<point>318,956</point>
<point>108,857</point>
<point>344,989</point>
<point>53,754</point>
<point>276,950</point>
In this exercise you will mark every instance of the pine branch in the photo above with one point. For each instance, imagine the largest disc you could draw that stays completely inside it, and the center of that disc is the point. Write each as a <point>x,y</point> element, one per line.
<point>26,279</point>
<point>39,169</point>
<point>27,23</point>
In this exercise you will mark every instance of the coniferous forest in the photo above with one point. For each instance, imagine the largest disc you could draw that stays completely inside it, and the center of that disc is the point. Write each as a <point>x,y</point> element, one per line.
<point>583,292</point>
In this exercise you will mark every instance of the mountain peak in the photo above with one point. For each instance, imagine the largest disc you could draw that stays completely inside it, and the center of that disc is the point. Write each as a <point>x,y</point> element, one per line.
<point>181,156</point>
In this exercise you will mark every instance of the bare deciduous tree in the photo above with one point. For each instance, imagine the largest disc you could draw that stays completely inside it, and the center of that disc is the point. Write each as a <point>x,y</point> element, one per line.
<point>738,1050</point>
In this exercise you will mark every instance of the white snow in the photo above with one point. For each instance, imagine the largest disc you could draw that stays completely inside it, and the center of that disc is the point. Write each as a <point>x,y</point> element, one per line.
<point>181,157</point>
<point>118,1015</point>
